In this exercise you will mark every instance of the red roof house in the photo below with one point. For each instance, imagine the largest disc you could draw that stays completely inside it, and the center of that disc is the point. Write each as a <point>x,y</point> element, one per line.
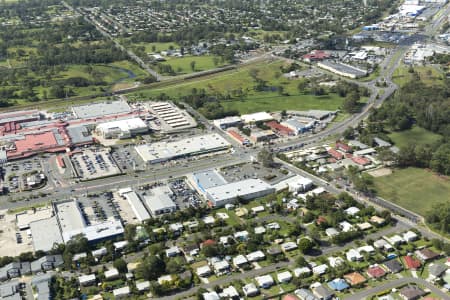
<point>343,147</point>
<point>376,272</point>
<point>411,262</point>
<point>336,154</point>
<point>361,160</point>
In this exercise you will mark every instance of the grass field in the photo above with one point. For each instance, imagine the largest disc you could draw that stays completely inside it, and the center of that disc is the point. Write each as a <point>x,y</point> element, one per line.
<point>416,135</point>
<point>182,65</point>
<point>414,189</point>
<point>429,75</point>
<point>251,101</point>
<point>155,47</point>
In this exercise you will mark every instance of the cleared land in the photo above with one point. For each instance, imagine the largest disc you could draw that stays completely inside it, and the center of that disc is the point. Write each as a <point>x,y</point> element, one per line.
<point>240,82</point>
<point>416,135</point>
<point>414,189</point>
<point>182,65</point>
<point>428,74</point>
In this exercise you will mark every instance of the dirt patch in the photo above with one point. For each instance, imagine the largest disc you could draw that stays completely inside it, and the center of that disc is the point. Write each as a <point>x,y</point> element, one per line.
<point>380,172</point>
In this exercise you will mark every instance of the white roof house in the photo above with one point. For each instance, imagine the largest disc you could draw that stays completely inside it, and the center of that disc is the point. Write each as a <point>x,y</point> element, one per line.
<point>264,281</point>
<point>289,246</point>
<point>331,231</point>
<point>173,251</point>
<point>99,252</point>
<point>353,255</point>
<point>352,211</point>
<point>273,226</point>
<point>320,269</point>
<point>250,290</point>
<point>111,273</point>
<point>395,240</point>
<point>410,236</point>
<point>367,248</point>
<point>143,285</point>
<point>229,292</point>
<point>239,261</point>
<point>165,278</point>
<point>121,292</point>
<point>211,296</point>
<point>335,261</point>
<point>85,280</point>
<point>255,256</point>
<point>204,271</point>
<point>346,226</point>
<point>241,235</point>
<point>221,267</point>
<point>284,277</point>
<point>260,230</point>
<point>301,271</point>
<point>382,244</point>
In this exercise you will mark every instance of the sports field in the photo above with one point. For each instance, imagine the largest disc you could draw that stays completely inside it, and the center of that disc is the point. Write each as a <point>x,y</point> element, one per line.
<point>414,189</point>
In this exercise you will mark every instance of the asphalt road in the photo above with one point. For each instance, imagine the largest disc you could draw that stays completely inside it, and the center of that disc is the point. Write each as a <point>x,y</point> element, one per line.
<point>389,285</point>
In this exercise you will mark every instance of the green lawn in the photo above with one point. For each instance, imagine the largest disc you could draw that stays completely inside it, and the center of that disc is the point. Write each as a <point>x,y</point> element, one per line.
<point>156,47</point>
<point>182,65</point>
<point>415,189</point>
<point>227,83</point>
<point>428,74</point>
<point>416,135</point>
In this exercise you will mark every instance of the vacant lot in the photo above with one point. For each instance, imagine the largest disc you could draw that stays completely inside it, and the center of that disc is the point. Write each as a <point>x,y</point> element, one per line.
<point>416,135</point>
<point>414,189</point>
<point>182,65</point>
<point>239,86</point>
<point>428,74</point>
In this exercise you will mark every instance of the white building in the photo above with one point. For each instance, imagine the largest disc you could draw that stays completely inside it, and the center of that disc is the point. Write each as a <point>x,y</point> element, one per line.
<point>256,117</point>
<point>284,277</point>
<point>196,145</point>
<point>264,281</point>
<point>299,184</point>
<point>246,189</point>
<point>227,122</point>
<point>121,129</point>
<point>250,290</point>
<point>159,201</point>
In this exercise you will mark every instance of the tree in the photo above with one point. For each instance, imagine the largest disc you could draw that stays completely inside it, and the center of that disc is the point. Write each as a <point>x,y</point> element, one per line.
<point>266,158</point>
<point>120,265</point>
<point>302,85</point>
<point>192,64</point>
<point>305,245</point>
<point>210,250</point>
<point>151,268</point>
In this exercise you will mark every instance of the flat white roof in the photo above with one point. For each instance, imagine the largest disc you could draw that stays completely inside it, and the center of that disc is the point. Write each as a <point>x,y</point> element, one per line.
<point>137,206</point>
<point>101,109</point>
<point>159,199</point>
<point>45,234</point>
<point>69,216</point>
<point>97,232</point>
<point>255,117</point>
<point>163,151</point>
<point>123,125</point>
<point>239,188</point>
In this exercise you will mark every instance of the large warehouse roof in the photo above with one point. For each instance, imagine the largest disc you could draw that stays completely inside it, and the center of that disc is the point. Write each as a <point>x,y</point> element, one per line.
<point>101,109</point>
<point>137,206</point>
<point>163,151</point>
<point>45,234</point>
<point>208,178</point>
<point>123,125</point>
<point>256,117</point>
<point>238,189</point>
<point>159,200</point>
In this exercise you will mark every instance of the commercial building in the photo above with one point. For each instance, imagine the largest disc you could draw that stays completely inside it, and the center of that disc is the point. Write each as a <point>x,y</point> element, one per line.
<point>137,206</point>
<point>159,201</point>
<point>227,122</point>
<point>296,126</point>
<point>10,119</point>
<point>256,117</point>
<point>262,135</point>
<point>101,109</point>
<point>245,189</point>
<point>172,118</point>
<point>204,180</point>
<point>121,129</point>
<point>197,145</point>
<point>238,137</point>
<point>342,69</point>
